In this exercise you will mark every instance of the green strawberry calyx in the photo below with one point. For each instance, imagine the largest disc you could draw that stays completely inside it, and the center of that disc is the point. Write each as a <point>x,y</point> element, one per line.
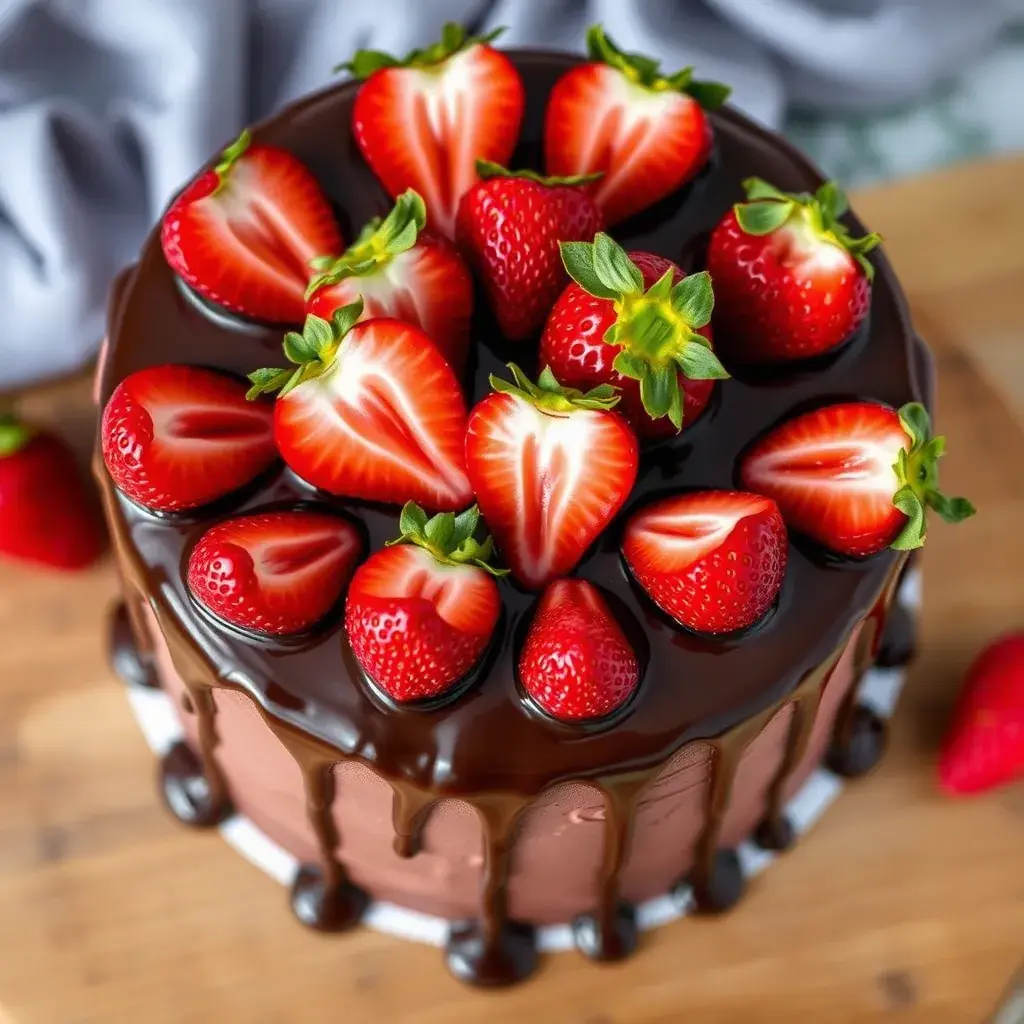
<point>487,169</point>
<point>450,538</point>
<point>551,397</point>
<point>917,470</point>
<point>312,353</point>
<point>454,39</point>
<point>380,241</point>
<point>14,435</point>
<point>646,72</point>
<point>656,329</point>
<point>815,217</point>
<point>229,157</point>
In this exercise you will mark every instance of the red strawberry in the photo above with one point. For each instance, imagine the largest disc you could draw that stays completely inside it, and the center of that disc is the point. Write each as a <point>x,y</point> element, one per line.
<point>423,121</point>
<point>713,560</point>
<point>273,572</point>
<point>243,233</point>
<point>176,437</point>
<point>647,133</point>
<point>47,516</point>
<point>399,272</point>
<point>420,614</point>
<point>790,280</point>
<point>985,743</point>
<point>576,663</point>
<point>550,467</point>
<point>372,411</point>
<point>510,224</point>
<point>857,476</point>
<point>654,345</point>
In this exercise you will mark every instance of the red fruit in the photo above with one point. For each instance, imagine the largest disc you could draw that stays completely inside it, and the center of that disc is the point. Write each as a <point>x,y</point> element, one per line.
<point>790,280</point>
<point>985,743</point>
<point>654,345</point>
<point>420,614</point>
<point>576,663</point>
<point>399,272</point>
<point>857,476</point>
<point>373,411</point>
<point>550,467</point>
<point>176,437</point>
<point>713,560</point>
<point>510,224</point>
<point>47,516</point>
<point>647,133</point>
<point>273,572</point>
<point>242,234</point>
<point>422,122</point>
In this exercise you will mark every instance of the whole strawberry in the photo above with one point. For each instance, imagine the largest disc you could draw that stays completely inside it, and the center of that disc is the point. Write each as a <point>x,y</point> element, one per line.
<point>577,664</point>
<point>47,515</point>
<point>712,560</point>
<point>634,321</point>
<point>791,281</point>
<point>984,747</point>
<point>420,612</point>
<point>510,224</point>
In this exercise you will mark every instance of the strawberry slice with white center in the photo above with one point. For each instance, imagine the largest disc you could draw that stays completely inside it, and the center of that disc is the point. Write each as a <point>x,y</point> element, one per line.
<point>423,121</point>
<point>274,572</point>
<point>712,560</point>
<point>618,115</point>
<point>243,234</point>
<point>855,476</point>
<point>420,614</point>
<point>176,437</point>
<point>371,411</point>
<point>400,272</point>
<point>550,466</point>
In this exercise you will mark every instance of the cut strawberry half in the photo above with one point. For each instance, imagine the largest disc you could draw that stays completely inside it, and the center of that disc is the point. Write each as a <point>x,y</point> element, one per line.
<point>176,437</point>
<point>371,411</point>
<point>242,234</point>
<point>273,572</point>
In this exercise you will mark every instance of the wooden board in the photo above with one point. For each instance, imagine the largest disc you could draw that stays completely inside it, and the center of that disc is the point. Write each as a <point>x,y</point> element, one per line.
<point>898,903</point>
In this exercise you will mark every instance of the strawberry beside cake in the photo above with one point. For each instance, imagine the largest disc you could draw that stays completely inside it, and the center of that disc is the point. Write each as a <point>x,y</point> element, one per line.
<point>511,458</point>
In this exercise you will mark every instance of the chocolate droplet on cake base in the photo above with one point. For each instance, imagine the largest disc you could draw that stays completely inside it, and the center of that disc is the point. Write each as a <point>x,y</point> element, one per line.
<point>507,957</point>
<point>323,906</point>
<point>613,939</point>
<point>129,664</point>
<point>775,833</point>
<point>724,886</point>
<point>187,791</point>
<point>899,639</point>
<point>859,746</point>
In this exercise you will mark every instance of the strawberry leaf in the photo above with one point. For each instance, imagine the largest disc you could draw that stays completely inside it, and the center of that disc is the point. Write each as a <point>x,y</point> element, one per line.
<point>657,386</point>
<point>614,268</point>
<point>694,300</point>
<point>710,95</point>
<point>630,365</point>
<point>230,156</point>
<point>465,525</point>
<point>440,530</point>
<point>14,435</point>
<point>487,169</point>
<point>453,40</point>
<point>448,538</point>
<point>912,534</point>
<point>951,510</point>
<point>762,217</point>
<point>413,520</point>
<point>578,260</point>
<point>345,318</point>
<point>550,396</point>
<point>699,362</point>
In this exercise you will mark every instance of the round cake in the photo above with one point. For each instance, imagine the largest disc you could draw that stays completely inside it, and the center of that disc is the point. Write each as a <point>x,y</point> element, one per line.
<point>489,800</point>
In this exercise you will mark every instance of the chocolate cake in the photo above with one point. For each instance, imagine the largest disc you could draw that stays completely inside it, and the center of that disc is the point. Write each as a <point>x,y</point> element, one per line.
<point>478,805</point>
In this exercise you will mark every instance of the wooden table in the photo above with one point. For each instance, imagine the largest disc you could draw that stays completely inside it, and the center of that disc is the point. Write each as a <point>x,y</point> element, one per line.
<point>899,904</point>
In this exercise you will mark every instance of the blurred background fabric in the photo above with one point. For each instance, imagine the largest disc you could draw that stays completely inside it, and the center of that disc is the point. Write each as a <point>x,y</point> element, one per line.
<point>108,106</point>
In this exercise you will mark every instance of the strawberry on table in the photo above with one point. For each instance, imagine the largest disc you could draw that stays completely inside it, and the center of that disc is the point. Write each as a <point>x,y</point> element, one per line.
<point>857,477</point>
<point>510,224</point>
<point>791,281</point>
<point>242,234</point>
<point>550,467</point>
<point>370,410</point>
<point>47,515</point>
<point>647,133</point>
<point>635,321</point>
<point>273,572</point>
<point>712,560</point>
<point>577,664</point>
<point>423,121</point>
<point>399,271</point>
<point>176,437</point>
<point>421,612</point>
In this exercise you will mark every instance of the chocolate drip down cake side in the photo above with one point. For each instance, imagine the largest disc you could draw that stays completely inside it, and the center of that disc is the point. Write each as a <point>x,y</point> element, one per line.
<point>511,460</point>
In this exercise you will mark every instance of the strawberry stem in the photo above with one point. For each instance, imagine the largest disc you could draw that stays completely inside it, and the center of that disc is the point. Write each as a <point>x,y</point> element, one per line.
<point>14,435</point>
<point>551,397</point>
<point>449,538</point>
<point>487,169</point>
<point>453,40</point>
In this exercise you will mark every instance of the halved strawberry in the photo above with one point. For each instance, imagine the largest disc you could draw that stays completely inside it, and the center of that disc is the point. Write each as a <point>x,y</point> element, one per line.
<point>423,121</point>
<point>243,233</point>
<point>577,664</point>
<point>713,560</point>
<point>646,132</point>
<point>550,467</point>
<point>273,572</point>
<point>419,614</point>
<point>176,437</point>
<point>370,411</point>
<point>856,476</point>
<point>399,272</point>
<point>654,345</point>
